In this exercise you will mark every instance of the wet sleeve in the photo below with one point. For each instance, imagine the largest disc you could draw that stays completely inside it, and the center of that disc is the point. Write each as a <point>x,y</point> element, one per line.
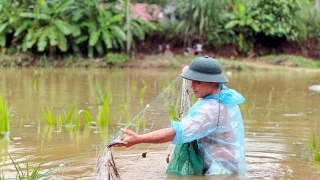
<point>197,124</point>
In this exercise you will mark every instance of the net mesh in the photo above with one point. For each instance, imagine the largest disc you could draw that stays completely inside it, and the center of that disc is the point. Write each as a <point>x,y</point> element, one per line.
<point>94,163</point>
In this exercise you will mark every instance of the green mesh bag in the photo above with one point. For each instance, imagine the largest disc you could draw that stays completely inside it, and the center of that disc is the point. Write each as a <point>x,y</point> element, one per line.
<point>186,160</point>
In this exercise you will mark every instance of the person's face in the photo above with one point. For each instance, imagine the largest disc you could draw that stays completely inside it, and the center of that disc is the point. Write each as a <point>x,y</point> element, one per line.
<point>202,89</point>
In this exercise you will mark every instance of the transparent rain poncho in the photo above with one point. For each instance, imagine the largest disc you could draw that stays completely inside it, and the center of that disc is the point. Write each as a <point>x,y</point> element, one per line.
<point>215,121</point>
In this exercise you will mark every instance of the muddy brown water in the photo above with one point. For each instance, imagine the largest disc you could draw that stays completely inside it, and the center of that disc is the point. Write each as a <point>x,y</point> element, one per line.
<point>279,114</point>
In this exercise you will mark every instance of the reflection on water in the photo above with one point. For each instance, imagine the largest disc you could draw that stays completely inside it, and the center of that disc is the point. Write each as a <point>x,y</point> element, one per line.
<point>279,113</point>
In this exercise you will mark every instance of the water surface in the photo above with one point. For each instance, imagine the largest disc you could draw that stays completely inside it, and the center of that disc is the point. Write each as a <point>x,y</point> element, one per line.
<point>279,114</point>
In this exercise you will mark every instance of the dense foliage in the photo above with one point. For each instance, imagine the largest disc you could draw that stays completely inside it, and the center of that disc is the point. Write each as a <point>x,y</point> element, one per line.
<point>66,26</point>
<point>96,28</point>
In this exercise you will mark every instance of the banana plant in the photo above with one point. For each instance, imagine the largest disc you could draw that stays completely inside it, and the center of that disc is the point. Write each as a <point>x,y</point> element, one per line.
<point>6,21</point>
<point>242,21</point>
<point>198,18</point>
<point>45,28</point>
<point>102,28</point>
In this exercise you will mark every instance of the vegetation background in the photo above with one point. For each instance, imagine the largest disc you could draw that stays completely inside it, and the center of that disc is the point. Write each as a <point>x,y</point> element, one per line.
<point>93,33</point>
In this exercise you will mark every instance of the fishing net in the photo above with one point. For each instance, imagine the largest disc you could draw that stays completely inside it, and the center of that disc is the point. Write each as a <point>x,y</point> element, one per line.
<point>103,162</point>
<point>186,160</point>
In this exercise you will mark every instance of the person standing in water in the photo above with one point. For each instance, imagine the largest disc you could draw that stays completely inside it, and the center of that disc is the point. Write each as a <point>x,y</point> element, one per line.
<point>214,122</point>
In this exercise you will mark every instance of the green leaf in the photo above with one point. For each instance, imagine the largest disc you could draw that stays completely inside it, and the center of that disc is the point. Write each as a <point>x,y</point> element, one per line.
<point>3,27</point>
<point>81,39</point>
<point>231,24</point>
<point>99,48</point>
<point>35,16</point>
<point>107,39</point>
<point>42,41</point>
<point>24,26</point>
<point>62,26</point>
<point>119,33</point>
<point>115,18</point>
<point>52,37</point>
<point>62,42</point>
<point>70,113</point>
<point>94,37</point>
<point>2,40</point>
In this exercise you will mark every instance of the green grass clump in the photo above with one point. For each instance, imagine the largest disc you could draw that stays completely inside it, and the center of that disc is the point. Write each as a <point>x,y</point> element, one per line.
<point>289,60</point>
<point>26,172</point>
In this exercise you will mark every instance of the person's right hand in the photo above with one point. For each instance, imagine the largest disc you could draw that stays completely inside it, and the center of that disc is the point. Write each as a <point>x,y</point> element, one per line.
<point>130,139</point>
<point>185,68</point>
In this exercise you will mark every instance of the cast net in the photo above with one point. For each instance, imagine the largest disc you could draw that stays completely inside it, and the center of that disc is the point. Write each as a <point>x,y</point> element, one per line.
<point>148,161</point>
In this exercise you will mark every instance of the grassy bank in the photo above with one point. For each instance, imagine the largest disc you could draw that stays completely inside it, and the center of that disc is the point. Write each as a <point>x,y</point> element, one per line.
<point>155,61</point>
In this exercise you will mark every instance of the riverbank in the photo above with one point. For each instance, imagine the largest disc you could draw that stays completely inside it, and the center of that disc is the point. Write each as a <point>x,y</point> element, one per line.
<point>279,62</point>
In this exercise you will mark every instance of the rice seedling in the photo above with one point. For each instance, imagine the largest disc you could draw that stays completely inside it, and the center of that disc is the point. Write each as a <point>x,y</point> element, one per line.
<point>270,95</point>
<point>77,121</point>
<point>26,172</point>
<point>70,113</point>
<point>134,85</point>
<point>100,96</point>
<point>123,105</point>
<point>164,84</point>
<point>104,114</point>
<point>173,112</point>
<point>86,116</point>
<point>48,116</point>
<point>137,125</point>
<point>144,125</point>
<point>268,109</point>
<point>4,118</point>
<point>141,95</point>
<point>35,84</point>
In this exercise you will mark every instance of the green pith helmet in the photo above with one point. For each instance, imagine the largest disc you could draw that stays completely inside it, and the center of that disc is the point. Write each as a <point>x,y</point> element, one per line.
<point>205,69</point>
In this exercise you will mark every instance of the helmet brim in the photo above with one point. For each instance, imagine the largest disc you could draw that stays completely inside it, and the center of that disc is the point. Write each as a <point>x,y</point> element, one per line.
<point>203,77</point>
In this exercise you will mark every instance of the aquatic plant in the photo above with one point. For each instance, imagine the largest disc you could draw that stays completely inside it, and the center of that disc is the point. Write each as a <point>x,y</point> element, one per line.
<point>137,125</point>
<point>123,105</point>
<point>104,114</point>
<point>4,118</point>
<point>143,90</point>
<point>173,112</point>
<point>70,113</point>
<point>134,85</point>
<point>26,172</point>
<point>100,96</point>
<point>86,116</point>
<point>35,83</point>
<point>48,116</point>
